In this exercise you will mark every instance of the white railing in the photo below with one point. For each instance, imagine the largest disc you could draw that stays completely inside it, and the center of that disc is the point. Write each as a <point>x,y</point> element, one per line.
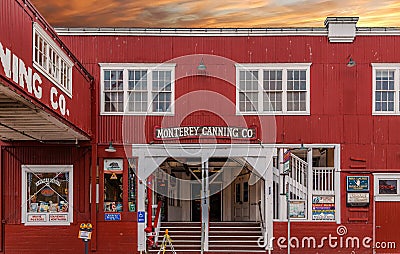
<point>298,177</point>
<point>323,180</point>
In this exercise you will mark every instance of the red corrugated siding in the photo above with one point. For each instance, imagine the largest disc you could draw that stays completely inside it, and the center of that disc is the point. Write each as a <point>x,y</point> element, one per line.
<point>16,34</point>
<point>14,157</point>
<point>341,97</point>
<point>387,222</point>
<point>320,230</point>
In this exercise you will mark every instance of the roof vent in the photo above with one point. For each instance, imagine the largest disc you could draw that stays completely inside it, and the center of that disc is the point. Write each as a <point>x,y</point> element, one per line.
<point>341,29</point>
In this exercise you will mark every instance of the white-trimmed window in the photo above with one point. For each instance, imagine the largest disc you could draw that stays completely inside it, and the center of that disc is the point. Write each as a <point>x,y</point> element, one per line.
<point>51,61</point>
<point>273,88</point>
<point>386,89</point>
<point>386,187</point>
<point>47,192</point>
<point>137,88</point>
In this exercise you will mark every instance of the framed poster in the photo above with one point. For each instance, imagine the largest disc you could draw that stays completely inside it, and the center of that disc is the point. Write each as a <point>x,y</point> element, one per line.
<point>297,209</point>
<point>357,183</point>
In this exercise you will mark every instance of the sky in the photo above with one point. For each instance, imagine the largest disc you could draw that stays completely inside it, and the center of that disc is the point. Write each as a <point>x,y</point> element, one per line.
<point>215,13</point>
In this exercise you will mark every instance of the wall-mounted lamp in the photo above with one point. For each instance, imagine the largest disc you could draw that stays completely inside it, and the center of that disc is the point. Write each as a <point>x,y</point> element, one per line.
<point>110,148</point>
<point>201,66</point>
<point>351,62</point>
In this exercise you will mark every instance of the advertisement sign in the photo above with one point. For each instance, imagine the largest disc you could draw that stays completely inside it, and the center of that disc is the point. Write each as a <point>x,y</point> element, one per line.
<point>323,199</point>
<point>58,217</point>
<point>113,165</point>
<point>37,218</point>
<point>112,216</point>
<point>297,209</point>
<point>358,198</point>
<point>357,183</point>
<point>323,211</point>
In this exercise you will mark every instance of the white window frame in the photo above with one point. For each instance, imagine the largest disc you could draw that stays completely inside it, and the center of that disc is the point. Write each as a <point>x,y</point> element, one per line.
<point>387,66</point>
<point>62,59</point>
<point>275,66</point>
<point>126,67</point>
<point>46,169</point>
<point>386,197</point>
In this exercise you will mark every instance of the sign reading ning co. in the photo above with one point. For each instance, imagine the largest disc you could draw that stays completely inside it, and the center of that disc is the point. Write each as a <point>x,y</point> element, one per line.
<point>204,131</point>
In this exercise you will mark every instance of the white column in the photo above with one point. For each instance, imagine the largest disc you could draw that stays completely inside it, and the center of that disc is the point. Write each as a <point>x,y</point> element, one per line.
<point>205,202</point>
<point>282,186</point>
<point>269,210</point>
<point>310,177</point>
<point>141,206</point>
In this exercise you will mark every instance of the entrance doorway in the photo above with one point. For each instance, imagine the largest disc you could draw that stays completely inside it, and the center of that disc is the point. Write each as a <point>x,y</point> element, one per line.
<point>241,204</point>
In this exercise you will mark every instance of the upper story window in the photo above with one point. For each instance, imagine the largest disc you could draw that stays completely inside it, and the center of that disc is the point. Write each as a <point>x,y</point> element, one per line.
<point>51,61</point>
<point>386,89</point>
<point>137,88</point>
<point>273,88</point>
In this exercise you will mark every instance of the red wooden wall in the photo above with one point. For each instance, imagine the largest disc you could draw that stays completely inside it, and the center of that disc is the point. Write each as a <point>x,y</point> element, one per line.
<point>341,97</point>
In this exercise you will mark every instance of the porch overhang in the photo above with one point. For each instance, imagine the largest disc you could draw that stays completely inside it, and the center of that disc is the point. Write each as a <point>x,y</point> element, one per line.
<point>23,120</point>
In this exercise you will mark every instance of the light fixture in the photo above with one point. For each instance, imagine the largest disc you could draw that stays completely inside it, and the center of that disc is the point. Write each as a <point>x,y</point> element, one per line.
<point>110,148</point>
<point>201,66</point>
<point>351,62</point>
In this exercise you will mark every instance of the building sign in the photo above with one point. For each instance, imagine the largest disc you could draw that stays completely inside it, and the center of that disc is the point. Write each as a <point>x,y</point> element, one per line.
<point>358,198</point>
<point>112,216</point>
<point>204,131</point>
<point>17,71</point>
<point>357,183</point>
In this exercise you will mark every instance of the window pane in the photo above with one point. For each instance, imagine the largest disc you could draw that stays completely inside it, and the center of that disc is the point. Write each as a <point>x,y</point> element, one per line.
<point>237,192</point>
<point>48,192</point>
<point>245,192</point>
<point>273,101</point>
<point>113,187</point>
<point>387,186</point>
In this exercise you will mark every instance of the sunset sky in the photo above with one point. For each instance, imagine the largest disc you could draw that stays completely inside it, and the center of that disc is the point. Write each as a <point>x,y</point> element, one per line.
<point>215,13</point>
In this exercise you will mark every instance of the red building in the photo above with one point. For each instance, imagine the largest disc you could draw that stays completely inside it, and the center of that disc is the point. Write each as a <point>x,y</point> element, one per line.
<point>218,135</point>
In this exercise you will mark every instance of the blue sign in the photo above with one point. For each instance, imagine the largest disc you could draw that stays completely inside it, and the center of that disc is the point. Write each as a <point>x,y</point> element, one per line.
<point>141,216</point>
<point>357,183</point>
<point>112,216</point>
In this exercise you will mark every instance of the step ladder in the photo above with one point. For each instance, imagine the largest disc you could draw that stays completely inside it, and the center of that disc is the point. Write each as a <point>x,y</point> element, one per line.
<point>165,242</point>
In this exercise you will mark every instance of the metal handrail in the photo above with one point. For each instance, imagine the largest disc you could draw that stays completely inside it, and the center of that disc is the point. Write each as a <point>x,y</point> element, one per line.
<point>261,216</point>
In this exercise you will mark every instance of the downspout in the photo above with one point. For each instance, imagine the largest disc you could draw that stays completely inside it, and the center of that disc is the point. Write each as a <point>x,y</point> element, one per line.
<point>94,176</point>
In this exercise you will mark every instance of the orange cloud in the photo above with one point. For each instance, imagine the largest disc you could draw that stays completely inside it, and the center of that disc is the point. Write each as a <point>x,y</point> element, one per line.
<point>211,13</point>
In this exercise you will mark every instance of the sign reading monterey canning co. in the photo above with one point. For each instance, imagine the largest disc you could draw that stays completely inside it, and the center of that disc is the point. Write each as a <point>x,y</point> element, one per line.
<point>204,131</point>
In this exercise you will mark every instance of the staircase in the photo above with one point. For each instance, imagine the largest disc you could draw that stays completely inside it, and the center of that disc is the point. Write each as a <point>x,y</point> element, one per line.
<point>185,236</point>
<point>233,237</point>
